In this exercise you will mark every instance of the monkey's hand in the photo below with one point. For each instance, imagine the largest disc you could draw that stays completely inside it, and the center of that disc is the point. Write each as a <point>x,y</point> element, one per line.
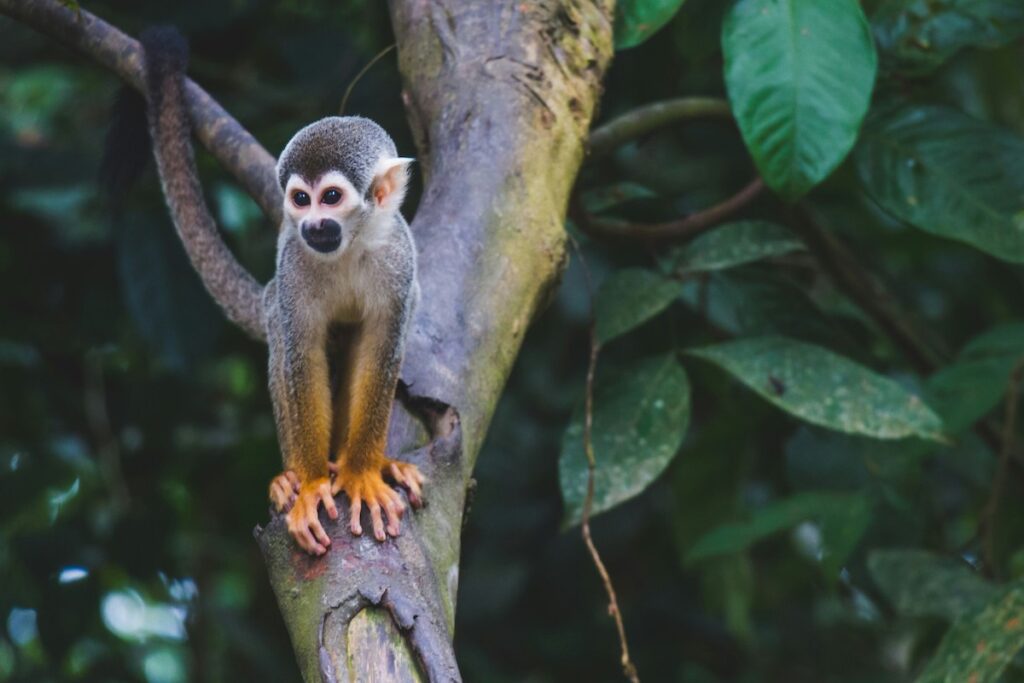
<point>369,487</point>
<point>284,489</point>
<point>407,475</point>
<point>304,519</point>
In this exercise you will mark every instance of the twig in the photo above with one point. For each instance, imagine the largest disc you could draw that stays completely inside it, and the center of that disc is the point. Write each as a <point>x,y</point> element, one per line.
<point>867,291</point>
<point>999,479</point>
<point>362,72</point>
<point>647,118</point>
<point>628,668</point>
<point>681,229</point>
<point>232,145</point>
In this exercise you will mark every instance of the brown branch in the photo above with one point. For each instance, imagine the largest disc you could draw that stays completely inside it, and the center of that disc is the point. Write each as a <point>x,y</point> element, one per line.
<point>651,117</point>
<point>628,668</point>
<point>679,230</point>
<point>232,146</point>
<point>868,292</point>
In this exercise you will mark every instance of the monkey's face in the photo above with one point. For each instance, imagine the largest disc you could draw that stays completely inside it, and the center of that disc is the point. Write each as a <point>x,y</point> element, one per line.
<point>325,213</point>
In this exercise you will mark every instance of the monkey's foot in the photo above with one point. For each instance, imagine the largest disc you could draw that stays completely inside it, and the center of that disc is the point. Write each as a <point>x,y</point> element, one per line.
<point>304,519</point>
<point>284,490</point>
<point>370,488</point>
<point>407,475</point>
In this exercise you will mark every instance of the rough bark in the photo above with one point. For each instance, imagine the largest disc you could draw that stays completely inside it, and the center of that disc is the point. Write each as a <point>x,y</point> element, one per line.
<point>500,97</point>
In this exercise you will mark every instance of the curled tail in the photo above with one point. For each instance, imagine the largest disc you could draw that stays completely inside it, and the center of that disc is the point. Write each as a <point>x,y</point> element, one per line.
<point>231,285</point>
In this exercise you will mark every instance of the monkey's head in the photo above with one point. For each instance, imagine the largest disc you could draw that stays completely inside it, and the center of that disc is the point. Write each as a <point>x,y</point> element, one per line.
<point>341,177</point>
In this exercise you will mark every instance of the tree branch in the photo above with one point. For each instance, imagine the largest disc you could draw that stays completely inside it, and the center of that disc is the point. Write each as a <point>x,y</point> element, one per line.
<point>650,117</point>
<point>679,230</point>
<point>867,292</point>
<point>233,147</point>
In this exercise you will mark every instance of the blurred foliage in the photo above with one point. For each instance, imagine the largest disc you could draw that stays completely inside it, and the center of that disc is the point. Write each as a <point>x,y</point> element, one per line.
<point>136,439</point>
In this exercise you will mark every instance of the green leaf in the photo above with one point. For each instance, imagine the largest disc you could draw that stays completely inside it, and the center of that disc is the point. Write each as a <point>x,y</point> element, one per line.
<point>842,518</point>
<point>823,388</point>
<point>630,297</point>
<point>640,417</point>
<point>735,244</point>
<point>948,174</point>
<point>799,75</point>
<point>638,20</point>
<point>916,36</point>
<point>752,301</point>
<point>921,584</point>
<point>979,647</point>
<point>977,380</point>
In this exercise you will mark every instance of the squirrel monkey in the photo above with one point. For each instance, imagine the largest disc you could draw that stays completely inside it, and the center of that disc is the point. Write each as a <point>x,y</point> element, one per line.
<point>336,312</point>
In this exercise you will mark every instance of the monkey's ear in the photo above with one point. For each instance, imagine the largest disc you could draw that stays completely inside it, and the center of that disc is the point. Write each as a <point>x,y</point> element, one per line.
<point>390,177</point>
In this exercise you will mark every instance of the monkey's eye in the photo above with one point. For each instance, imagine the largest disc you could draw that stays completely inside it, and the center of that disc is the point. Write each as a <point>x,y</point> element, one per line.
<point>300,198</point>
<point>331,197</point>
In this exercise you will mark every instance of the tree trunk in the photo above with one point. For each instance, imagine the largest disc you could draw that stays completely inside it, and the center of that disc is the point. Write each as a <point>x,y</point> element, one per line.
<point>500,97</point>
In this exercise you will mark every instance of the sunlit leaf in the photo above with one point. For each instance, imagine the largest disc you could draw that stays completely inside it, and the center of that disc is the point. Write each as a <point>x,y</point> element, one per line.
<point>979,647</point>
<point>919,35</point>
<point>921,584</point>
<point>799,75</point>
<point>948,174</point>
<point>734,244</point>
<point>640,417</point>
<point>823,388</point>
<point>630,297</point>
<point>638,20</point>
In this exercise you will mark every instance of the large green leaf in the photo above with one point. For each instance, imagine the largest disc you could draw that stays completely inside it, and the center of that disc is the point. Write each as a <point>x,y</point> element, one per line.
<point>824,388</point>
<point>630,297</point>
<point>640,417</point>
<point>842,520</point>
<point>799,75</point>
<point>918,35</point>
<point>979,647</point>
<point>638,20</point>
<point>920,584</point>
<point>977,380</point>
<point>948,174</point>
<point>734,244</point>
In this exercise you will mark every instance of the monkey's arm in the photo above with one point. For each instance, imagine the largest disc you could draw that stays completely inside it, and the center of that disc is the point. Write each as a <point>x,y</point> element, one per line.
<point>233,288</point>
<point>300,392</point>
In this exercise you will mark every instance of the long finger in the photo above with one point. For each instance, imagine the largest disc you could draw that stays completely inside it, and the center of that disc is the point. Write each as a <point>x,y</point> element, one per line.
<point>394,518</point>
<point>354,511</point>
<point>378,523</point>
<point>293,479</point>
<point>328,499</point>
<point>313,521</point>
<point>306,541</point>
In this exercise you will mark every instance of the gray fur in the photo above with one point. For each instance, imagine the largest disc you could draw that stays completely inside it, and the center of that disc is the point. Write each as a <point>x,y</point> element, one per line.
<point>369,288</point>
<point>350,144</point>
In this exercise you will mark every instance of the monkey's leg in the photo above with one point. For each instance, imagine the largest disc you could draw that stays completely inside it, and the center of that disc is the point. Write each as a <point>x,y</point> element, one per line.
<point>373,374</point>
<point>302,405</point>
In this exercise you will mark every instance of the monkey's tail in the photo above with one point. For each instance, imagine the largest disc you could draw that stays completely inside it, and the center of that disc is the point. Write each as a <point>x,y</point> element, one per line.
<point>231,285</point>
